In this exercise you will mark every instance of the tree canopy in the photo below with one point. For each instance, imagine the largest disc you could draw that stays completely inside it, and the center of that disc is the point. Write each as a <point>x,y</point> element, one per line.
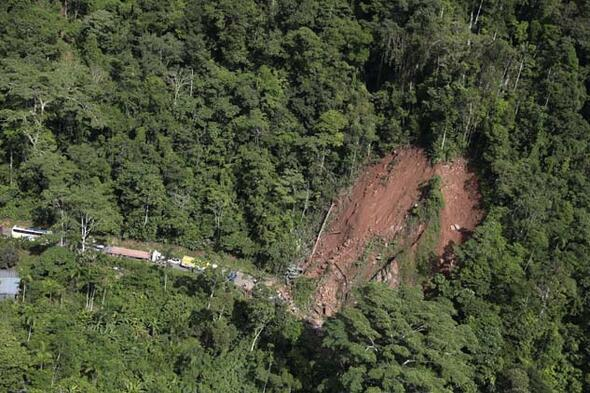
<point>228,126</point>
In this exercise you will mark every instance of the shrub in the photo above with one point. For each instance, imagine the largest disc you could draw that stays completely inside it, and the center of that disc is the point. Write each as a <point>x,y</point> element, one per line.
<point>8,256</point>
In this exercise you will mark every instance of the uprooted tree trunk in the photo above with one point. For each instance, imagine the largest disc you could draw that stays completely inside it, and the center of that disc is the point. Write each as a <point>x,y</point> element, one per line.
<point>258,331</point>
<point>321,230</point>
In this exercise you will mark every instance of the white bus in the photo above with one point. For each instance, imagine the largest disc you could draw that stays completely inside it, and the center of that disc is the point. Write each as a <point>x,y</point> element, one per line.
<point>28,233</point>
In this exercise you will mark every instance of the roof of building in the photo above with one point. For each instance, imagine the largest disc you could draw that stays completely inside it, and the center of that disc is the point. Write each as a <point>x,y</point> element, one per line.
<point>127,252</point>
<point>4,273</point>
<point>9,282</point>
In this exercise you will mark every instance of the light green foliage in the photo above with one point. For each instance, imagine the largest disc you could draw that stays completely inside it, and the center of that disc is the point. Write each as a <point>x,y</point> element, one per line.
<point>142,196</point>
<point>9,255</point>
<point>492,267</point>
<point>397,341</point>
<point>92,210</point>
<point>14,360</point>
<point>161,102</point>
<point>303,289</point>
<point>85,325</point>
<point>419,261</point>
<point>230,125</point>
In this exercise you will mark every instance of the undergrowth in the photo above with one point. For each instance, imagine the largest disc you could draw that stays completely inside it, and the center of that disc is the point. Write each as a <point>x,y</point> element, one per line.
<point>427,213</point>
<point>303,289</point>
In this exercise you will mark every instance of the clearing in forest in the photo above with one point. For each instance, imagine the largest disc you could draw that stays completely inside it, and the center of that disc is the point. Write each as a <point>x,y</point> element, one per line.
<point>372,224</point>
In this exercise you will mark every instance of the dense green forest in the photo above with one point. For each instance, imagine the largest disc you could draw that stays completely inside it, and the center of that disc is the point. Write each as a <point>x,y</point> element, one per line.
<point>228,125</point>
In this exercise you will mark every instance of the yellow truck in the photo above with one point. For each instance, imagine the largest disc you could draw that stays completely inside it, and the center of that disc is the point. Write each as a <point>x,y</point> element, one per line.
<point>188,262</point>
<point>196,263</point>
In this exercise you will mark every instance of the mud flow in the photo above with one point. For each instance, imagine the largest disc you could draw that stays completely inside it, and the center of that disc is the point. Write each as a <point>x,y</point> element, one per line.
<point>377,208</point>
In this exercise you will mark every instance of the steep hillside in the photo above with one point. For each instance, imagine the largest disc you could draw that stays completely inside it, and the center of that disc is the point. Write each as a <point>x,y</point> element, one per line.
<point>461,212</point>
<point>375,221</point>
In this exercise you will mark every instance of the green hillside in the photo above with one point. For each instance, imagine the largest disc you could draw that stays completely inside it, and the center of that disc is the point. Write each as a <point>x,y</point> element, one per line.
<point>229,126</point>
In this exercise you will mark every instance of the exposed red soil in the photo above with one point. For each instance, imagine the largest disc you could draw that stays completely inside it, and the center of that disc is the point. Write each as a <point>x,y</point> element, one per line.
<point>462,212</point>
<point>378,206</point>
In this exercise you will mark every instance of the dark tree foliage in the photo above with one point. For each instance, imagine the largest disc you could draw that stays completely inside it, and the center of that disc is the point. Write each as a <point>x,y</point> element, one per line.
<point>84,326</point>
<point>8,255</point>
<point>228,125</point>
<point>397,342</point>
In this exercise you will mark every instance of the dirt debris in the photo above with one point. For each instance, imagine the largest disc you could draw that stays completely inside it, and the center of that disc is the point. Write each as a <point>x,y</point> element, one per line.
<point>462,211</point>
<point>377,206</point>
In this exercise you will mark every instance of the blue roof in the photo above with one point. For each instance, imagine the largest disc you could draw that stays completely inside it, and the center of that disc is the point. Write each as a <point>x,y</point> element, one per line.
<point>9,282</point>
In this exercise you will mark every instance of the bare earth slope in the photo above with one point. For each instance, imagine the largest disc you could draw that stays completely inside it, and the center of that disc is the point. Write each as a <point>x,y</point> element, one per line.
<point>378,206</point>
<point>462,212</point>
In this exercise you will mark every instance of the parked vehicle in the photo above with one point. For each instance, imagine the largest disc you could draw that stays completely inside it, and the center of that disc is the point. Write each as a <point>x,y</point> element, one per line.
<point>188,262</point>
<point>28,233</point>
